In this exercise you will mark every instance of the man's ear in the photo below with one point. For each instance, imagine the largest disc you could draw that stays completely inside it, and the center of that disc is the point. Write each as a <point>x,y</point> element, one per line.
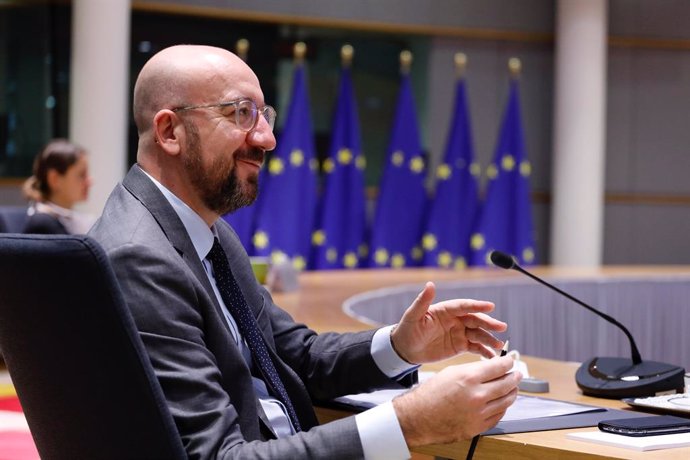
<point>168,131</point>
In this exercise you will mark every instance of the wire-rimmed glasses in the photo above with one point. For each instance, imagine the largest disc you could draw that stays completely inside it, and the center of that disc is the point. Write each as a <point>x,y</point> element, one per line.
<point>244,111</point>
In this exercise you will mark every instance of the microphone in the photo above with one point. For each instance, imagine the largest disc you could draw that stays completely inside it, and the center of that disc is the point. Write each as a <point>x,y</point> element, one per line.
<point>612,377</point>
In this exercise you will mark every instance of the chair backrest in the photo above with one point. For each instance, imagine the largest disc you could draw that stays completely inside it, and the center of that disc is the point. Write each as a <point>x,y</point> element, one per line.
<point>74,355</point>
<point>12,219</point>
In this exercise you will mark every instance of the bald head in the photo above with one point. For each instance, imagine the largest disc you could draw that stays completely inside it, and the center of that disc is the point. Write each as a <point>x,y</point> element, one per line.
<point>185,75</point>
<point>201,154</point>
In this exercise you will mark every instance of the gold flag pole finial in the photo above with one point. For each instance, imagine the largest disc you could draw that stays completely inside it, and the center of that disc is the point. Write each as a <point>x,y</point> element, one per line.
<point>242,47</point>
<point>460,64</point>
<point>405,61</point>
<point>515,67</point>
<point>347,52</point>
<point>300,50</point>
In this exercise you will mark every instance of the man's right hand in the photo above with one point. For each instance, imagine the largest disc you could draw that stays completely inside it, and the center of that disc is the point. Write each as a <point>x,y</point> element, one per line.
<point>458,403</point>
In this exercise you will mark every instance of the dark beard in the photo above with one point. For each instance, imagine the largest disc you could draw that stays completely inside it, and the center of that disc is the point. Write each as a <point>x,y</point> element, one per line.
<point>219,188</point>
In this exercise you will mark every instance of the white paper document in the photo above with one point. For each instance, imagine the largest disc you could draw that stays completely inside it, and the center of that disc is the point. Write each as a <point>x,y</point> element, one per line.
<point>525,407</point>
<point>642,443</point>
<point>374,398</point>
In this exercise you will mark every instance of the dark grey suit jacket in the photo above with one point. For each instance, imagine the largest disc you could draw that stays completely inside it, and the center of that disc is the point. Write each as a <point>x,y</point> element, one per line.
<point>205,380</point>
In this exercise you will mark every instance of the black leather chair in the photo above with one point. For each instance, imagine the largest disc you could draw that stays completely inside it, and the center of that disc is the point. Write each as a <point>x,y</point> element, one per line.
<point>79,367</point>
<point>12,219</point>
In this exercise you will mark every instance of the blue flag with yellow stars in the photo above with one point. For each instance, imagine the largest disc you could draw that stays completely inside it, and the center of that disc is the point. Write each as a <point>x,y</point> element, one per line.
<point>505,221</point>
<point>446,241</point>
<point>338,238</point>
<point>242,221</point>
<point>285,213</point>
<point>399,218</point>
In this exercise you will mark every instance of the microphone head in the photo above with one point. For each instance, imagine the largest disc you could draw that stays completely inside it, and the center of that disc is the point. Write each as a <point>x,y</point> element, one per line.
<point>503,260</point>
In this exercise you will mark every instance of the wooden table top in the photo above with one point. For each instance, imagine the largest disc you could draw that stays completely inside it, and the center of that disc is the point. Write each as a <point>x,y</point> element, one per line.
<point>318,303</point>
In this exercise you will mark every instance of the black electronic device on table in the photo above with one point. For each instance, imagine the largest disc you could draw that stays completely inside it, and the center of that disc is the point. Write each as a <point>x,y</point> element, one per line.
<point>612,377</point>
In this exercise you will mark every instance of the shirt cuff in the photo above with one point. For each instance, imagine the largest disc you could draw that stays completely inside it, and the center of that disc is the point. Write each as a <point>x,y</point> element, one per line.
<point>385,357</point>
<point>380,433</point>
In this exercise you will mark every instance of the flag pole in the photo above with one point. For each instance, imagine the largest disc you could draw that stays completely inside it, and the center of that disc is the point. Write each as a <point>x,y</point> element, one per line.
<point>460,65</point>
<point>405,62</point>
<point>285,217</point>
<point>515,67</point>
<point>334,245</point>
<point>242,48</point>
<point>397,231</point>
<point>299,51</point>
<point>506,216</point>
<point>347,52</point>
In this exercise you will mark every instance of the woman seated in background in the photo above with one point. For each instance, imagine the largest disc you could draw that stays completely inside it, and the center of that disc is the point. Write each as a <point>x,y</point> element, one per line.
<point>60,180</point>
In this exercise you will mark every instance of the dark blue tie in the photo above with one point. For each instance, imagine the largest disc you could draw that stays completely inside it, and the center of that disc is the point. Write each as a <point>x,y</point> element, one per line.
<point>237,305</point>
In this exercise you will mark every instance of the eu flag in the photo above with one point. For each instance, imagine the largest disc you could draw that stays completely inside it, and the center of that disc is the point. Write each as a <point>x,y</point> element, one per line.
<point>446,241</point>
<point>339,235</point>
<point>242,221</point>
<point>399,218</point>
<point>285,213</point>
<point>506,217</point>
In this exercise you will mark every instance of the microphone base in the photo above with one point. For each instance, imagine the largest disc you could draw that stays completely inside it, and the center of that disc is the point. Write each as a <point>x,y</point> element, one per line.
<point>618,378</point>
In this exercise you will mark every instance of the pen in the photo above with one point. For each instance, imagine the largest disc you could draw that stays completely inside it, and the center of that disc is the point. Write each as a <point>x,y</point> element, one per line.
<point>504,350</point>
<point>475,440</point>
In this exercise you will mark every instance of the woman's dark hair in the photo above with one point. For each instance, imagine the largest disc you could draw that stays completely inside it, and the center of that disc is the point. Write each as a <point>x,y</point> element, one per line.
<point>58,154</point>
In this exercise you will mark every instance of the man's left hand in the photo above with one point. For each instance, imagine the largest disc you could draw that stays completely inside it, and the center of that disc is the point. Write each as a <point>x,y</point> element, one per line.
<point>429,332</point>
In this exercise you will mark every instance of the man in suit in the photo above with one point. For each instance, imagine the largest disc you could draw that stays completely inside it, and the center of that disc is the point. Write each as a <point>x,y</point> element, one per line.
<point>203,131</point>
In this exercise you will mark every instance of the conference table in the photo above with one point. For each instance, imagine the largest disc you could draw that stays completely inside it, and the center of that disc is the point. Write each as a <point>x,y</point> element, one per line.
<point>333,300</point>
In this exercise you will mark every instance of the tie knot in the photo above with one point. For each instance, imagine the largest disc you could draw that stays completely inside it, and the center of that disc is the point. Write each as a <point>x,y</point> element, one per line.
<point>216,251</point>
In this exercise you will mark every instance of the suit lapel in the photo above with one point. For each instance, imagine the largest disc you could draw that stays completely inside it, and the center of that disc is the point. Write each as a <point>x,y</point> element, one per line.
<point>139,185</point>
<point>144,190</point>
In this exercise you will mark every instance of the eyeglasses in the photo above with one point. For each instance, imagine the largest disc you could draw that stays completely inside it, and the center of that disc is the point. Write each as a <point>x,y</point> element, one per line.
<point>244,111</point>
